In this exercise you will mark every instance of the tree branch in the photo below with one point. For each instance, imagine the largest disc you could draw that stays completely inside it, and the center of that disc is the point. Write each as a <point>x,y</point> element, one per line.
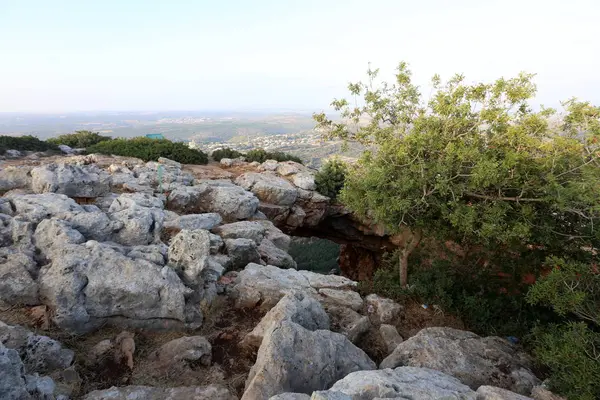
<point>517,199</point>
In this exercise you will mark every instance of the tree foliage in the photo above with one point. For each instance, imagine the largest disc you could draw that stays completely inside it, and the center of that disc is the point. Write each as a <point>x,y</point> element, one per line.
<point>150,150</point>
<point>330,178</point>
<point>79,139</point>
<point>261,155</point>
<point>225,152</point>
<point>473,163</point>
<point>24,143</point>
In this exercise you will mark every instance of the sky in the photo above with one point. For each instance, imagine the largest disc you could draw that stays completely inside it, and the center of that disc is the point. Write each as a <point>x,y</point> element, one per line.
<point>146,55</point>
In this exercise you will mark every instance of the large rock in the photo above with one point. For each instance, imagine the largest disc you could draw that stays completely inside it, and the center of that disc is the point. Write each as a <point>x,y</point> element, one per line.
<point>188,254</point>
<point>344,298</point>
<point>243,229</point>
<point>494,393</point>
<point>13,385</point>
<point>290,396</point>
<point>211,392</point>
<point>390,337</point>
<point>286,168</point>
<point>305,180</point>
<point>71,180</point>
<point>37,207</point>
<point>242,252</point>
<point>15,178</point>
<point>296,307</point>
<point>382,310</point>
<point>476,361</point>
<point>294,359</point>
<point>400,383</point>
<point>141,217</point>
<point>273,255</point>
<point>195,221</point>
<point>275,235</point>
<point>269,188</point>
<point>348,322</point>
<point>53,234</point>
<point>17,286</point>
<point>88,285</point>
<point>177,354</point>
<point>94,224</point>
<point>265,285</point>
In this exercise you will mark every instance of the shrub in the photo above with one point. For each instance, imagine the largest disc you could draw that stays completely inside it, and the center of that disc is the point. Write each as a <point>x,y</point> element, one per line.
<point>24,143</point>
<point>330,178</point>
<point>226,152</point>
<point>79,139</point>
<point>150,150</point>
<point>314,254</point>
<point>261,155</point>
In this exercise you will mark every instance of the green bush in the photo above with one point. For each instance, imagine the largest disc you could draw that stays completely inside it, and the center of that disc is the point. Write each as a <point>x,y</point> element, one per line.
<point>150,150</point>
<point>330,178</point>
<point>79,139</point>
<point>314,254</point>
<point>24,143</point>
<point>261,155</point>
<point>226,152</point>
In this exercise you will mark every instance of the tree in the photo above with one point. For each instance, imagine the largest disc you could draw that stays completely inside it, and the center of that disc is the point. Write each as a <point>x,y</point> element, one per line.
<point>330,178</point>
<point>79,139</point>
<point>473,163</point>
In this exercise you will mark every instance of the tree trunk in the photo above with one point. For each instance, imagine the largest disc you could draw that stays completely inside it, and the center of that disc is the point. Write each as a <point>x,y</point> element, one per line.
<point>410,245</point>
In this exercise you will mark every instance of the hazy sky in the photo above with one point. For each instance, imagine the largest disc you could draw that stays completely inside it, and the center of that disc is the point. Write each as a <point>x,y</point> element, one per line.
<point>295,54</point>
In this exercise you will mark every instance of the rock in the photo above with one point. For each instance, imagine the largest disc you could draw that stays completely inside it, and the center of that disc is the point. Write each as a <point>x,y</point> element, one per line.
<point>483,361</point>
<point>141,225</point>
<point>275,235</point>
<point>71,180</point>
<point>268,188</point>
<point>348,322</point>
<point>187,199</point>
<point>94,225</point>
<point>344,298</point>
<point>193,222</point>
<point>276,214</point>
<point>12,376</point>
<point>211,392</point>
<point>17,286</point>
<point>53,234</point>
<point>305,180</point>
<point>226,162</point>
<point>242,252</point>
<point>292,358</point>
<point>15,178</point>
<point>296,307</point>
<point>390,337</point>
<point>13,153</point>
<point>99,352</point>
<point>286,168</point>
<point>296,217</point>
<point>155,253</point>
<point>269,165</point>
<point>65,149</point>
<point>171,163</point>
<point>402,383</point>
<point>88,285</point>
<point>129,200</point>
<point>541,393</point>
<point>188,255</point>
<point>384,310</point>
<point>273,255</point>
<point>6,206</point>
<point>37,207</point>
<point>290,396</point>
<point>243,229</point>
<point>330,395</point>
<point>494,393</point>
<point>265,285</point>
<point>177,354</point>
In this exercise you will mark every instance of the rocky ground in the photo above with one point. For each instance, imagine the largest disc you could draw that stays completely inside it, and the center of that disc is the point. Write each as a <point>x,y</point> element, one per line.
<point>121,279</point>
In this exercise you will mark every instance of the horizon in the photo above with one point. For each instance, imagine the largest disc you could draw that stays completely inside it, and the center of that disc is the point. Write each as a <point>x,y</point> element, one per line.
<point>268,56</point>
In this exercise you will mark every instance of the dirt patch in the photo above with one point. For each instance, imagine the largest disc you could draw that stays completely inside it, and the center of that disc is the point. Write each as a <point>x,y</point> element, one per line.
<point>210,171</point>
<point>415,317</point>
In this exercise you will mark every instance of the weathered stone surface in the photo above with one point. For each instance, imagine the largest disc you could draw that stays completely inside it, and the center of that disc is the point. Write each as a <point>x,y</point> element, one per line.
<point>94,225</point>
<point>71,180</point>
<point>295,307</point>
<point>187,199</point>
<point>15,178</point>
<point>348,322</point>
<point>188,254</point>
<point>17,287</point>
<point>52,234</point>
<point>269,188</point>
<point>275,235</point>
<point>344,298</point>
<point>390,337</point>
<point>166,161</point>
<point>87,285</point>
<point>286,168</point>
<point>178,353</point>
<point>195,221</point>
<point>476,361</point>
<point>5,206</point>
<point>269,165</point>
<point>211,392</point>
<point>243,229</point>
<point>305,180</point>
<point>37,207</point>
<point>232,202</point>
<point>155,253</point>
<point>242,252</point>
<point>12,376</point>
<point>541,393</point>
<point>290,396</point>
<point>331,395</point>
<point>381,309</point>
<point>142,220</point>
<point>296,217</point>
<point>276,214</point>
<point>273,255</point>
<point>128,200</point>
<point>267,284</point>
<point>294,359</point>
<point>495,393</point>
<point>402,383</point>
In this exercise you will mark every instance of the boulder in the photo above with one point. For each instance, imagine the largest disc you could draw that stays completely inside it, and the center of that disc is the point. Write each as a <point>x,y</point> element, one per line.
<point>15,178</point>
<point>296,307</point>
<point>390,337</point>
<point>154,253</point>
<point>187,199</point>
<point>169,162</point>
<point>476,361</point>
<point>129,200</point>
<point>242,252</point>
<point>400,383</point>
<point>94,225</point>
<point>188,254</point>
<point>343,298</point>
<point>195,221</point>
<point>348,322</point>
<point>296,217</point>
<point>494,393</point>
<point>294,359</point>
<point>71,180</point>
<point>17,286</point>
<point>277,214</point>
<point>286,168</point>
<point>275,235</point>
<point>37,207</point>
<point>177,354</point>
<point>65,149</point>
<point>290,396</point>
<point>269,165</point>
<point>13,385</point>
<point>273,255</point>
<point>6,207</point>
<point>140,225</point>
<point>305,180</point>
<point>211,392</point>
<point>52,234</point>
<point>243,229</point>
<point>382,310</point>
<point>88,285</point>
<point>268,188</point>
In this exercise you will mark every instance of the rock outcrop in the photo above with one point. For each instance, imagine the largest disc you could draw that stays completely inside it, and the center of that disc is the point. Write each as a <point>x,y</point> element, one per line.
<point>211,392</point>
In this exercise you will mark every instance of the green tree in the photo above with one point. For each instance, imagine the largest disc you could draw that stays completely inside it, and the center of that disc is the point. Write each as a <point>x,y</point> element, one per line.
<point>150,150</point>
<point>79,139</point>
<point>330,178</point>
<point>472,163</point>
